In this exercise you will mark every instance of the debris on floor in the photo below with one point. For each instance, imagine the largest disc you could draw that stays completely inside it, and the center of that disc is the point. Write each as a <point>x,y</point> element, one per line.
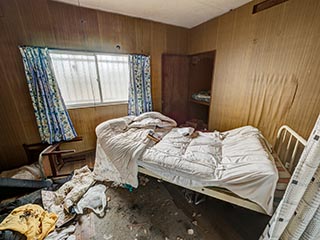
<point>30,220</point>
<point>190,231</point>
<point>143,180</point>
<point>94,199</point>
<point>30,172</point>
<point>148,212</point>
<point>68,195</point>
<point>52,204</point>
<point>66,233</point>
<point>193,197</point>
<point>80,209</point>
<point>71,192</point>
<point>34,222</point>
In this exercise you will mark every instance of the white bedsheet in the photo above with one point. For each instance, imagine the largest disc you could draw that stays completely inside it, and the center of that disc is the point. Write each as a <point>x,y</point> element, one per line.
<point>238,160</point>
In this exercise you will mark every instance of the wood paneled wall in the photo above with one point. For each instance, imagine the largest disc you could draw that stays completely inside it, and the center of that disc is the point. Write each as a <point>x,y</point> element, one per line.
<point>58,25</point>
<point>279,43</point>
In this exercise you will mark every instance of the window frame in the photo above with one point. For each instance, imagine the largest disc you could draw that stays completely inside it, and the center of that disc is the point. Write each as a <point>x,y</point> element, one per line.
<point>95,55</point>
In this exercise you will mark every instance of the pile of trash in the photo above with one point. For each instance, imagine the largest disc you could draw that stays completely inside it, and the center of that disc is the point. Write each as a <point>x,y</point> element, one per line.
<point>52,214</point>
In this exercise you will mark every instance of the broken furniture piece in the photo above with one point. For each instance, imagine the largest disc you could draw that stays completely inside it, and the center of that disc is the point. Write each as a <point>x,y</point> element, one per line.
<point>50,159</point>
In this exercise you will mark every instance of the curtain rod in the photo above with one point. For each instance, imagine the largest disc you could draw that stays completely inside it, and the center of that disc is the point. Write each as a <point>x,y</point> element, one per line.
<point>83,50</point>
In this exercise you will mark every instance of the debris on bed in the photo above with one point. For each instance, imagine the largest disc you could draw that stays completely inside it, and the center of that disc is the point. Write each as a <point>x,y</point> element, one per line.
<point>196,124</point>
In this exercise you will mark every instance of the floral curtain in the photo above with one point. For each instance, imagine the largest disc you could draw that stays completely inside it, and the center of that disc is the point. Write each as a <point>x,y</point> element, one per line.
<point>140,99</point>
<point>298,214</point>
<point>52,117</point>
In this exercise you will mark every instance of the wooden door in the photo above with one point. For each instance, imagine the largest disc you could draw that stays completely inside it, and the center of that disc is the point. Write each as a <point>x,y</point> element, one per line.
<point>175,82</point>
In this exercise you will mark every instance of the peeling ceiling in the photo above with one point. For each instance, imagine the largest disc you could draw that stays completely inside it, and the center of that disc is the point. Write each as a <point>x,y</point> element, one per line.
<point>184,13</point>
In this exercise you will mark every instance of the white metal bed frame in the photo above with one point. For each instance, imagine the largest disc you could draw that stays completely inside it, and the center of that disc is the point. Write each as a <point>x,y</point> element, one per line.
<point>280,144</point>
<point>226,195</point>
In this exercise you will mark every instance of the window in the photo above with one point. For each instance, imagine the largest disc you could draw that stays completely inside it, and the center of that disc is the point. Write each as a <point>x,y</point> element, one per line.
<point>87,78</point>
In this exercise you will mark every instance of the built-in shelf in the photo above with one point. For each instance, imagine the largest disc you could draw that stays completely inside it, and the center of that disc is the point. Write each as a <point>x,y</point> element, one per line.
<point>200,102</point>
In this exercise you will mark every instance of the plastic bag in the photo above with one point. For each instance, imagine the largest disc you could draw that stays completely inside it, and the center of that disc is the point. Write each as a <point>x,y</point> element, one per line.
<point>94,199</point>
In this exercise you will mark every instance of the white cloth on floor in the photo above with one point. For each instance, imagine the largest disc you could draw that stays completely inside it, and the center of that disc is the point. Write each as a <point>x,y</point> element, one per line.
<point>94,199</point>
<point>30,172</point>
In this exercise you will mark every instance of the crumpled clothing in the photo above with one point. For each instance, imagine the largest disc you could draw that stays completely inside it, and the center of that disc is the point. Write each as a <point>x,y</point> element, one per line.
<point>68,194</point>
<point>30,220</point>
<point>94,199</point>
<point>11,235</point>
<point>48,201</point>
<point>29,172</point>
<point>63,234</point>
<point>7,207</point>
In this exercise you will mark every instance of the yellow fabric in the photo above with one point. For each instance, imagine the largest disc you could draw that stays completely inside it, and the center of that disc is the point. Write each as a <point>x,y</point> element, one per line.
<point>30,220</point>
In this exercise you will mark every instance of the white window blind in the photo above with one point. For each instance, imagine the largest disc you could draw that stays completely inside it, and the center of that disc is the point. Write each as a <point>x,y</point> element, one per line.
<point>87,79</point>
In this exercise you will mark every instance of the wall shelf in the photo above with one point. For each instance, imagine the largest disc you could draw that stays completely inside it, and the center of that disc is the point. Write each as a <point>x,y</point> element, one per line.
<point>200,102</point>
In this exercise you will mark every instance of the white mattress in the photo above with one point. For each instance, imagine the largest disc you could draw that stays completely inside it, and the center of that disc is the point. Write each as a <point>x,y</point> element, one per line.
<point>238,160</point>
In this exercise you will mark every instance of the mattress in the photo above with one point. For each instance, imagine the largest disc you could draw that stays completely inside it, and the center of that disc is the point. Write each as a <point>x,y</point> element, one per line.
<point>239,160</point>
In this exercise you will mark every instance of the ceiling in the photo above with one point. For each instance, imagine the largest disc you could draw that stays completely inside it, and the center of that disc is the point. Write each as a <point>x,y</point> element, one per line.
<point>184,13</point>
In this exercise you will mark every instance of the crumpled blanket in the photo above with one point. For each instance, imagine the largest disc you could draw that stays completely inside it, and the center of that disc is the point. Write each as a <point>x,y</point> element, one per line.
<point>68,194</point>
<point>120,143</point>
<point>30,220</point>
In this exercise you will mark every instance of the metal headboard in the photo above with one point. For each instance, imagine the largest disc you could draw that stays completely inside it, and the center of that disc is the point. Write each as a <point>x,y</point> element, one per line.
<point>287,145</point>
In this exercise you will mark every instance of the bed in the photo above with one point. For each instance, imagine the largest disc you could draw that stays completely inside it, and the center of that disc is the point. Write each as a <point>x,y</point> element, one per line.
<point>237,166</point>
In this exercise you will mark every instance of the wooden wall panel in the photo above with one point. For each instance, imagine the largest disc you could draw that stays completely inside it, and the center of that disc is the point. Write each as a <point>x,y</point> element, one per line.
<point>58,25</point>
<point>203,38</point>
<point>279,42</point>
<point>85,121</point>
